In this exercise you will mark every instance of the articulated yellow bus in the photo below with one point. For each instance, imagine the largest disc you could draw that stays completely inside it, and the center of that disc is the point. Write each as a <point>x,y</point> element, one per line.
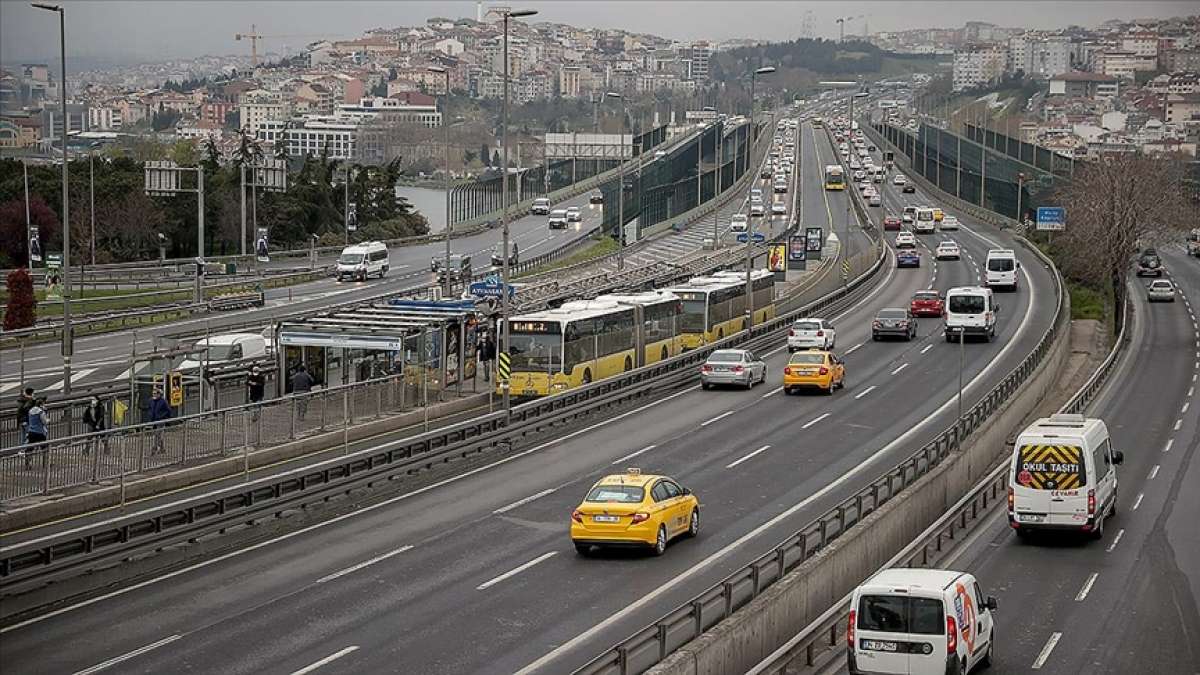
<point>586,340</point>
<point>715,306</point>
<point>835,178</point>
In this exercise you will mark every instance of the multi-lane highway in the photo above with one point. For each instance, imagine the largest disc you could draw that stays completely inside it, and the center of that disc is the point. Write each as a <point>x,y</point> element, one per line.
<point>477,574</point>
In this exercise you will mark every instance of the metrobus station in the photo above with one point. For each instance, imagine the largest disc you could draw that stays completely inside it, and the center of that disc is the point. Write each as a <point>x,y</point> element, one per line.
<point>430,343</point>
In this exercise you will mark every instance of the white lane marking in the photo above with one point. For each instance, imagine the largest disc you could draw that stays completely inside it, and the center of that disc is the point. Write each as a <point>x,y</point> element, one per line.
<point>742,459</point>
<point>129,655</point>
<point>1178,423</point>
<point>1041,659</point>
<point>1191,390</point>
<point>772,392</point>
<point>722,415</point>
<point>855,347</point>
<point>9,385</point>
<point>1184,410</point>
<point>864,392</point>
<point>365,563</point>
<point>327,660</point>
<point>522,502</point>
<point>516,571</point>
<point>1087,587</point>
<point>815,420</point>
<point>786,513</point>
<point>1116,540</point>
<point>75,376</point>
<point>927,348</point>
<point>337,519</point>
<point>1153,473</point>
<point>1138,502</point>
<point>902,367</point>
<point>631,455</point>
<point>1167,447</point>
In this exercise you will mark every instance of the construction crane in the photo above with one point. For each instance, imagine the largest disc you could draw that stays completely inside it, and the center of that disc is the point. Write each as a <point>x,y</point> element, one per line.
<point>254,36</point>
<point>842,25</point>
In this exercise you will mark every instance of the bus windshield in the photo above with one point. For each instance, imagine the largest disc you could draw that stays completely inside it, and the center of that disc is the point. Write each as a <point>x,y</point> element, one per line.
<point>538,352</point>
<point>692,319</point>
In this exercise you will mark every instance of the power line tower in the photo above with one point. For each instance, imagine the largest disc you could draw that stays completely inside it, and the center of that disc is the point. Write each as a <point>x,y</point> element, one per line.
<point>806,25</point>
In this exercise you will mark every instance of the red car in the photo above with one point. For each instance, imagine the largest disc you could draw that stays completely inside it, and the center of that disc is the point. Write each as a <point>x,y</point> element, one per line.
<point>927,303</point>
<point>891,223</point>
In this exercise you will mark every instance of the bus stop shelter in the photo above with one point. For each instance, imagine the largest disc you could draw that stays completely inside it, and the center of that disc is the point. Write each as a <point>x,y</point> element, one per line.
<point>429,342</point>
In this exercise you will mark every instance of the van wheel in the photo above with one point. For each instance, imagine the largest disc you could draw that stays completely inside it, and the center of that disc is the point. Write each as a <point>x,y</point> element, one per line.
<point>628,364</point>
<point>383,272</point>
<point>1098,533</point>
<point>986,661</point>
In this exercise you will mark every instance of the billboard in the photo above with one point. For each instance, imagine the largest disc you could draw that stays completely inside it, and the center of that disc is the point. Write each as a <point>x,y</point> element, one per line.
<point>777,259</point>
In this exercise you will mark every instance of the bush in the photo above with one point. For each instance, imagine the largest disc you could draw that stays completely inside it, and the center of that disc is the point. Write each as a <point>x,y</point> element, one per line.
<point>21,311</point>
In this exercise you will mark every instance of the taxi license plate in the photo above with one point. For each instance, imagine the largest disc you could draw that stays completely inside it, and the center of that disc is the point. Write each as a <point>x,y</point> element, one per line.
<point>606,519</point>
<point>1031,517</point>
<point>880,646</point>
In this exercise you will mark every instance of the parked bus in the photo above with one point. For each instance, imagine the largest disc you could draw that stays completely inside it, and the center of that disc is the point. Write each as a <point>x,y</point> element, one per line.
<point>715,306</point>
<point>586,340</point>
<point>835,178</point>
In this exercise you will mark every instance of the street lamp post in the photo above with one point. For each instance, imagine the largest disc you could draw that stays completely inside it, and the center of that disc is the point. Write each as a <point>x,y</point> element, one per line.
<point>765,70</point>
<point>446,141</point>
<point>506,14</point>
<point>620,176</point>
<point>92,203</point>
<point>68,346</point>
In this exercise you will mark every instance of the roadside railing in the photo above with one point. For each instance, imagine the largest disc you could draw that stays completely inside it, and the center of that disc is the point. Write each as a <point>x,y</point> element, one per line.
<point>67,552</point>
<point>652,644</point>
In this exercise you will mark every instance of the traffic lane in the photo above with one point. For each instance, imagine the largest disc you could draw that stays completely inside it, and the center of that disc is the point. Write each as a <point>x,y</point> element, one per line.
<point>1140,584</point>
<point>446,505</point>
<point>828,154</point>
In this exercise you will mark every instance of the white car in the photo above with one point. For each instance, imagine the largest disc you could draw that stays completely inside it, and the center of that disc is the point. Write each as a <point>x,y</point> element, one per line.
<point>574,215</point>
<point>809,333</point>
<point>756,192</point>
<point>855,165</point>
<point>905,239</point>
<point>859,176</point>
<point>874,200</point>
<point>947,250</point>
<point>557,219</point>
<point>739,223</point>
<point>1160,290</point>
<point>757,209</point>
<point>779,209</point>
<point>899,179</point>
<point>949,222</point>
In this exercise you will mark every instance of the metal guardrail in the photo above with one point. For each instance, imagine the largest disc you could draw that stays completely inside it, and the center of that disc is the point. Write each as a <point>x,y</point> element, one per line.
<point>66,552</point>
<point>653,643</point>
<point>826,631</point>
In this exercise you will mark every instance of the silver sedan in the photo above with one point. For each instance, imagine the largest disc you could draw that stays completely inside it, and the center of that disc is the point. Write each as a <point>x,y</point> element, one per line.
<point>733,366</point>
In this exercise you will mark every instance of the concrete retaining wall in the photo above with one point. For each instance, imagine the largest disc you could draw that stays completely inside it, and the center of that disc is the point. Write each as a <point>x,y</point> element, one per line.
<point>149,486</point>
<point>787,607</point>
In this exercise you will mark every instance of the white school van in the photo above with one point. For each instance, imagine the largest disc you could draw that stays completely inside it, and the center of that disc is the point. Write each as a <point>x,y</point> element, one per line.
<point>970,312</point>
<point>1001,269</point>
<point>919,622</point>
<point>1063,476</point>
<point>924,222</point>
<point>362,260</point>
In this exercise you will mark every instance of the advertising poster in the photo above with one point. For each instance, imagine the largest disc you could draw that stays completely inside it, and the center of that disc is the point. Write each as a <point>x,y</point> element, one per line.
<point>797,252</point>
<point>35,245</point>
<point>816,240</point>
<point>777,259</point>
<point>352,217</point>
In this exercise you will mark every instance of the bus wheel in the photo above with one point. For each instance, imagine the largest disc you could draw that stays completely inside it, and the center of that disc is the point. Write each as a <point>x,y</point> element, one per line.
<point>628,364</point>
<point>664,354</point>
<point>721,334</point>
<point>587,376</point>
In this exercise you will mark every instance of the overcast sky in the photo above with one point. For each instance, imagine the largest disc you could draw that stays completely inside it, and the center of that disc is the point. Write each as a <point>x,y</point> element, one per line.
<point>158,30</point>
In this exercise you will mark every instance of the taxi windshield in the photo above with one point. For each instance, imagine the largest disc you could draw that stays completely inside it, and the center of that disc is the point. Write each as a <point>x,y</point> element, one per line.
<point>622,494</point>
<point>812,359</point>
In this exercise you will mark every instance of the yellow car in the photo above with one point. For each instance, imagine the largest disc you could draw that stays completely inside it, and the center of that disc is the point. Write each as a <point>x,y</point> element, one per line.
<point>814,368</point>
<point>634,509</point>
<point>938,215</point>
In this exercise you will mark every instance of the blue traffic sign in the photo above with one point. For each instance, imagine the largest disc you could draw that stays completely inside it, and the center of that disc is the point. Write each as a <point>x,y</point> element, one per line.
<point>490,288</point>
<point>1051,218</point>
<point>759,238</point>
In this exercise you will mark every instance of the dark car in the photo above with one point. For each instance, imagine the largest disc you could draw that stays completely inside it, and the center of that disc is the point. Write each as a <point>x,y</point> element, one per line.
<point>908,257</point>
<point>597,197</point>
<point>766,172</point>
<point>908,188</point>
<point>927,303</point>
<point>891,223</point>
<point>1149,264</point>
<point>894,322</point>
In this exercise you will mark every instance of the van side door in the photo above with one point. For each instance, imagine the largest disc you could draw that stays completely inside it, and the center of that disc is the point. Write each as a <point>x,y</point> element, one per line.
<point>985,622</point>
<point>1106,476</point>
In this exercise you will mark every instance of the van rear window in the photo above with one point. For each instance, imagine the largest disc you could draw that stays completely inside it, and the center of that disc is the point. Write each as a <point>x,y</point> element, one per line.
<point>1050,467</point>
<point>1001,265</point>
<point>966,304</point>
<point>901,614</point>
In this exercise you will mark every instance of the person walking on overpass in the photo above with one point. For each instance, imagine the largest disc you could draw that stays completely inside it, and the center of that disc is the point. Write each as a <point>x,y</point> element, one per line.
<point>159,412</point>
<point>302,384</point>
<point>24,403</point>
<point>93,417</point>
<point>38,430</point>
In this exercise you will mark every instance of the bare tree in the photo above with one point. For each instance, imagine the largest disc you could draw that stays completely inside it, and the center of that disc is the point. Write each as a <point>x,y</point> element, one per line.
<point>1114,206</point>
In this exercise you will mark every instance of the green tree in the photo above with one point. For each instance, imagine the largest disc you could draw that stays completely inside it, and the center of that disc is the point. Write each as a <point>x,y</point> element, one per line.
<point>184,152</point>
<point>484,155</point>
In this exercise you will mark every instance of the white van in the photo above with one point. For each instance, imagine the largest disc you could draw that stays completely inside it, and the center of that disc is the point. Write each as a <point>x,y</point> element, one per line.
<point>918,622</point>
<point>924,222</point>
<point>1001,269</point>
<point>970,311</point>
<point>226,348</point>
<point>540,207</point>
<point>362,260</point>
<point>1063,476</point>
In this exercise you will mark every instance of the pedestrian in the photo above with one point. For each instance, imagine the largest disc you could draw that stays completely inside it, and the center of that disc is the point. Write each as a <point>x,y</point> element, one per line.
<point>302,384</point>
<point>93,417</point>
<point>255,385</point>
<point>159,413</point>
<point>24,403</point>
<point>39,428</point>
<point>481,355</point>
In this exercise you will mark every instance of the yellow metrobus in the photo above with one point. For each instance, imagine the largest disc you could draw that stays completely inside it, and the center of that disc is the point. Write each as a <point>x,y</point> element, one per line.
<point>587,340</point>
<point>835,178</point>
<point>715,306</point>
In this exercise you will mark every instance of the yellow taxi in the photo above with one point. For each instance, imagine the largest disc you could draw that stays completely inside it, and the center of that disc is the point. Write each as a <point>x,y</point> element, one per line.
<point>634,509</point>
<point>938,215</point>
<point>815,368</point>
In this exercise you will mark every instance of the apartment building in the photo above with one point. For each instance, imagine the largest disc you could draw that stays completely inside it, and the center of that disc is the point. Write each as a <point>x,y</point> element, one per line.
<point>259,106</point>
<point>1084,85</point>
<point>978,64</point>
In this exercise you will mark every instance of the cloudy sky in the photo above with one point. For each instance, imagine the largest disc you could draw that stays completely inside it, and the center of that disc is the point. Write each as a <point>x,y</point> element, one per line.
<point>156,30</point>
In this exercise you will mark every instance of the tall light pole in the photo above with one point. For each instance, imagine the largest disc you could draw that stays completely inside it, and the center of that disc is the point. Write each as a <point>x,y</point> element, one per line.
<point>92,202</point>
<point>765,70</point>
<point>446,141</point>
<point>68,345</point>
<point>506,14</point>
<point>717,190</point>
<point>620,172</point>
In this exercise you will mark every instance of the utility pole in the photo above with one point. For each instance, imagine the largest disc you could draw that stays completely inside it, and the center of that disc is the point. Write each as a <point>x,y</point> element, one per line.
<point>449,285</point>
<point>764,70</point>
